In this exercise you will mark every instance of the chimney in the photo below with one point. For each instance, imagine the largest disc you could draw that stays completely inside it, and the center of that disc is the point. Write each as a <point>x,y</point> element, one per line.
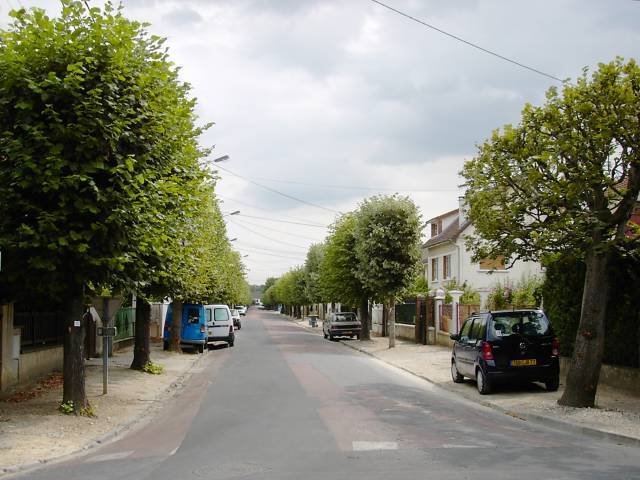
<point>462,211</point>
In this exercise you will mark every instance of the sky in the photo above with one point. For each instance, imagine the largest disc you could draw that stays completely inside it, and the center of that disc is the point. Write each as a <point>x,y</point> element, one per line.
<point>331,101</point>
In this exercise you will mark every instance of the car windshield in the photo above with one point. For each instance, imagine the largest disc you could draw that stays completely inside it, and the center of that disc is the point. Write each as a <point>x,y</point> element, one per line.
<point>530,323</point>
<point>234,313</point>
<point>345,317</point>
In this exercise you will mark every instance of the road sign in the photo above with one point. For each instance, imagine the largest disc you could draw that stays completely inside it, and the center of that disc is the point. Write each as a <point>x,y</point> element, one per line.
<point>107,331</point>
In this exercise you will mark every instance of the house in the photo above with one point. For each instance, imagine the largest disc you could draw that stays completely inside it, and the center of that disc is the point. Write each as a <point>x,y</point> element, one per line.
<point>446,258</point>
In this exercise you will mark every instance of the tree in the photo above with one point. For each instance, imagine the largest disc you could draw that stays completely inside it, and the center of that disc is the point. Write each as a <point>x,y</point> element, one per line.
<point>312,273</point>
<point>566,179</point>
<point>387,248</point>
<point>97,148</point>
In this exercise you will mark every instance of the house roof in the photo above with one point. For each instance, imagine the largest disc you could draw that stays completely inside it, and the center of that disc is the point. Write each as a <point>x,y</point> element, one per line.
<point>431,220</point>
<point>450,233</point>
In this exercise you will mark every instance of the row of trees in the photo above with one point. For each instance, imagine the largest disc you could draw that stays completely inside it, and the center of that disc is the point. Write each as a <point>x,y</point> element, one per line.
<point>371,254</point>
<point>102,179</point>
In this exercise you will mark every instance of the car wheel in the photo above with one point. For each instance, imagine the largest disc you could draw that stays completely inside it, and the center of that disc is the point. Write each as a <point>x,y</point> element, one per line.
<point>239,326</point>
<point>482,382</point>
<point>357,337</point>
<point>331,337</point>
<point>200,348</point>
<point>552,384</point>
<point>324,334</point>
<point>165,345</point>
<point>455,375</point>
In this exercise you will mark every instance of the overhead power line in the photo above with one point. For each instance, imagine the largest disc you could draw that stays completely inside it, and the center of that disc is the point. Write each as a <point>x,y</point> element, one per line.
<point>266,236</point>
<point>278,192</point>
<point>357,187</point>
<point>467,42</point>
<point>272,255</point>
<point>282,232</point>
<point>281,221</point>
<point>262,209</point>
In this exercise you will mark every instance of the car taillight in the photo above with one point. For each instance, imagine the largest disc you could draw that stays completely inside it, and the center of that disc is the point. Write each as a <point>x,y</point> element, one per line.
<point>202,329</point>
<point>487,351</point>
<point>555,348</point>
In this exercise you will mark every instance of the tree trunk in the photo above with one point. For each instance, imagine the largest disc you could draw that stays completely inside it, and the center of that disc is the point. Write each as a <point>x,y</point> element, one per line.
<point>365,320</point>
<point>584,369</point>
<point>176,327</point>
<point>392,323</point>
<point>73,363</point>
<point>141,346</point>
<point>385,317</point>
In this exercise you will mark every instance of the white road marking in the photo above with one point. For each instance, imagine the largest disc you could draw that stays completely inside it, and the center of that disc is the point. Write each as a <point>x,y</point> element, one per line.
<point>172,452</point>
<point>109,456</point>
<point>367,446</point>
<point>453,445</point>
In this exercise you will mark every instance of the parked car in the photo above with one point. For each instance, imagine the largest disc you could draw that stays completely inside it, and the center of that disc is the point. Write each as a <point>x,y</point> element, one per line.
<point>341,324</point>
<point>235,315</point>
<point>506,346</point>
<point>242,310</point>
<point>194,330</point>
<point>219,325</point>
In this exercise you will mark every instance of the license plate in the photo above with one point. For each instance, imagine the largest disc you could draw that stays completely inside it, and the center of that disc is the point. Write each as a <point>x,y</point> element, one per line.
<point>347,333</point>
<point>523,363</point>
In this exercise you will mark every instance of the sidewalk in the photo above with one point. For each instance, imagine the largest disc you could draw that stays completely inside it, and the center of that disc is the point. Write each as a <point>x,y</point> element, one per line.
<point>617,415</point>
<point>33,431</point>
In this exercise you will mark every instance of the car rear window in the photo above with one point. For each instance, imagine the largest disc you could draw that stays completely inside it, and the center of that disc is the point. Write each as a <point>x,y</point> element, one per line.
<point>345,317</point>
<point>234,312</point>
<point>505,324</point>
<point>193,315</point>
<point>220,314</point>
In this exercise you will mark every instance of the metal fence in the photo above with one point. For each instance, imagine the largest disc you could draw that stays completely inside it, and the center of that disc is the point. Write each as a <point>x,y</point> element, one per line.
<point>406,313</point>
<point>125,323</point>
<point>38,328</point>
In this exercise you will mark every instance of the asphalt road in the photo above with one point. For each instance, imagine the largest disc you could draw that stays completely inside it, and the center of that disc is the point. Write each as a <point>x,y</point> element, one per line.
<point>286,404</point>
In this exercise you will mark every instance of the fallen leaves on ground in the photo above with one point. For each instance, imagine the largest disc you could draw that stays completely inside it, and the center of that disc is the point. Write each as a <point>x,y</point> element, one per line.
<point>44,385</point>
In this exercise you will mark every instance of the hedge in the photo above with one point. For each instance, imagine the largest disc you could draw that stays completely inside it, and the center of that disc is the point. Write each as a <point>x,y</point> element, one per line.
<point>562,293</point>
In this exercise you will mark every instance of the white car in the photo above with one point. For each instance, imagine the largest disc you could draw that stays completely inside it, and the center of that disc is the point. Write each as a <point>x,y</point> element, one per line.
<point>242,310</point>
<point>235,315</point>
<point>219,324</point>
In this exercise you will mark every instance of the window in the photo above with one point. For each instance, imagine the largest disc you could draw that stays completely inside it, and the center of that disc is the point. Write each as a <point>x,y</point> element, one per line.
<point>434,269</point>
<point>207,315</point>
<point>530,323</point>
<point>193,315</point>
<point>446,266</point>
<point>345,317</point>
<point>492,263</point>
<point>477,331</point>
<point>220,314</point>
<point>466,328</point>
<point>434,229</point>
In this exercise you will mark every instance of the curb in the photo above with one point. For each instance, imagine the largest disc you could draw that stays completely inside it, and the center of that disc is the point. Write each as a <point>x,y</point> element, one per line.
<point>523,416</point>
<point>112,434</point>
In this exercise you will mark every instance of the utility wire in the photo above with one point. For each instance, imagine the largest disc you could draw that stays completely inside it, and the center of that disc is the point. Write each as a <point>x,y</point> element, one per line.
<point>353,187</point>
<point>262,209</point>
<point>471,44</point>
<point>261,247</point>
<point>265,236</point>
<point>281,221</point>
<point>273,190</point>
<point>273,255</point>
<point>280,231</point>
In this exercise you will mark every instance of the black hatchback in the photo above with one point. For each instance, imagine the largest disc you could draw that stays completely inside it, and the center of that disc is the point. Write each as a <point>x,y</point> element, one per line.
<point>506,346</point>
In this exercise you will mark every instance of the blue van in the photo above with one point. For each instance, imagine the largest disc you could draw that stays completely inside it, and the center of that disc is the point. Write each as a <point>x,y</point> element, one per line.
<point>194,327</point>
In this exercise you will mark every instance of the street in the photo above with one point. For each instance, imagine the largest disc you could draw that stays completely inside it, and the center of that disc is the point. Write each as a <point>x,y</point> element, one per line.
<point>286,404</point>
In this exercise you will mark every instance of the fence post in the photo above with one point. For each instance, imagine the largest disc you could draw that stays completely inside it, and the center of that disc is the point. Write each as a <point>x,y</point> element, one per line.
<point>455,310</point>
<point>439,299</point>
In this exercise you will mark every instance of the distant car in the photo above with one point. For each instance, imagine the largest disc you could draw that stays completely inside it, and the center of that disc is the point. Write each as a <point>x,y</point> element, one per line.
<point>235,315</point>
<point>242,310</point>
<point>506,346</point>
<point>341,324</point>
<point>219,325</point>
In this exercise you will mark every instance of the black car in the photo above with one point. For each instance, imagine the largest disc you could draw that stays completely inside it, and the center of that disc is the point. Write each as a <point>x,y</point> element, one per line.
<point>506,346</point>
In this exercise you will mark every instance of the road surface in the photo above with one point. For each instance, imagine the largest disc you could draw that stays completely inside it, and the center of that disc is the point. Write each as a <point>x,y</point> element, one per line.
<point>287,404</point>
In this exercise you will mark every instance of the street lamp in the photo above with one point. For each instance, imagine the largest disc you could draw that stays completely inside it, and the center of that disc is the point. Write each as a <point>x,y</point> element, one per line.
<point>223,158</point>
<point>233,240</point>
<point>237,212</point>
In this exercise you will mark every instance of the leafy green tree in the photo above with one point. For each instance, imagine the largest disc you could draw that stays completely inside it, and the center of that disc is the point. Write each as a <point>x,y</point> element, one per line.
<point>312,273</point>
<point>566,179</point>
<point>387,248</point>
<point>97,146</point>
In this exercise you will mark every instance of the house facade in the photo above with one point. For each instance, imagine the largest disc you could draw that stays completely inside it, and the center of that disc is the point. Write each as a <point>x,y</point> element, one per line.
<point>446,258</point>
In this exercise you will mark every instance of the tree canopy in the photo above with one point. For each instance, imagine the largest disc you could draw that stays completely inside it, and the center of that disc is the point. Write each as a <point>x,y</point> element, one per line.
<point>565,179</point>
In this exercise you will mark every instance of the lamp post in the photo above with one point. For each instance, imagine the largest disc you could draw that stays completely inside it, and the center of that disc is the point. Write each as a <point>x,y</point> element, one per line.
<point>236,212</point>
<point>223,158</point>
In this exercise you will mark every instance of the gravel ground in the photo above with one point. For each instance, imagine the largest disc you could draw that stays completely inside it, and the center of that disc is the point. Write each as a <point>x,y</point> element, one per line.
<point>617,411</point>
<point>33,429</point>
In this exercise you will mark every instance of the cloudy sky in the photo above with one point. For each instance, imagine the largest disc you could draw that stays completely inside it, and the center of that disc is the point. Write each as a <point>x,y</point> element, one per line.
<point>331,101</point>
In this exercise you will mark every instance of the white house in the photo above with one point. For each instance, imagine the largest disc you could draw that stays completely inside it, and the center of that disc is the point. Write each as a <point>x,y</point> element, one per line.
<point>446,257</point>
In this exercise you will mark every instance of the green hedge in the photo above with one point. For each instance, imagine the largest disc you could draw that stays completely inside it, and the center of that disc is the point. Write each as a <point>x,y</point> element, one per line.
<point>562,293</point>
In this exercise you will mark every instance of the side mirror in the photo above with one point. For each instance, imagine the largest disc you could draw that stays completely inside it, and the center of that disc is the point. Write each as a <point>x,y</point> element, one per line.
<point>455,336</point>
